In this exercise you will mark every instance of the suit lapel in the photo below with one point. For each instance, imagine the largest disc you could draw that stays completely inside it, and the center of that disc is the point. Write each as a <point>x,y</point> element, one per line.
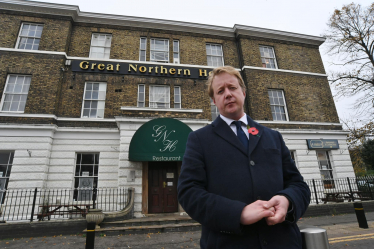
<point>224,131</point>
<point>253,139</point>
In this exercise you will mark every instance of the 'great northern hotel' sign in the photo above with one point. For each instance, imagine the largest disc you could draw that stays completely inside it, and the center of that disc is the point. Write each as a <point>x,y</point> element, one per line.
<point>140,69</point>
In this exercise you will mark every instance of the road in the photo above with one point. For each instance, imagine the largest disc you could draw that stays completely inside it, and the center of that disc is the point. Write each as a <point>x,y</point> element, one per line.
<point>342,230</point>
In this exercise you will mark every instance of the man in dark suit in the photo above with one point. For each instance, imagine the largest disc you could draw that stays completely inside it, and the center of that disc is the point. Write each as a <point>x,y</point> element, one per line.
<point>238,179</point>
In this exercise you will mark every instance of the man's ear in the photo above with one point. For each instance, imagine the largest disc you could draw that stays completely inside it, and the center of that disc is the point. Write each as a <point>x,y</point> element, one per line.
<point>214,101</point>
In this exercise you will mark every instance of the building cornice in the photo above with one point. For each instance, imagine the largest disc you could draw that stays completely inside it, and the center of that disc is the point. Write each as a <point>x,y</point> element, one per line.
<point>131,108</point>
<point>278,35</point>
<point>297,123</point>
<point>284,71</point>
<point>33,51</point>
<point>73,12</point>
<point>26,115</point>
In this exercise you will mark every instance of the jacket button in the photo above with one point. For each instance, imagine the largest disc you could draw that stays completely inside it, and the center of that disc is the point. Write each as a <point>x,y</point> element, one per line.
<point>252,163</point>
<point>264,242</point>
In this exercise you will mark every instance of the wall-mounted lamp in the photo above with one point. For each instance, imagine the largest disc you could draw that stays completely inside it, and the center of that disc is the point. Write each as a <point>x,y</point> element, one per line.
<point>67,62</point>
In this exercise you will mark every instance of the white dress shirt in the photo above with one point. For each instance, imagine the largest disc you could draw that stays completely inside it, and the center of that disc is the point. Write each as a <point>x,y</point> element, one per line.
<point>244,121</point>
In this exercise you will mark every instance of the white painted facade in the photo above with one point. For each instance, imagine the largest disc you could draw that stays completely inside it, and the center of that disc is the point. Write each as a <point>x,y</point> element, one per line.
<point>45,155</point>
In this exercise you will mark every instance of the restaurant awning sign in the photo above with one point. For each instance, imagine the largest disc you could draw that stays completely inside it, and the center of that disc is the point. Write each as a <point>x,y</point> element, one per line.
<point>161,139</point>
<point>315,144</point>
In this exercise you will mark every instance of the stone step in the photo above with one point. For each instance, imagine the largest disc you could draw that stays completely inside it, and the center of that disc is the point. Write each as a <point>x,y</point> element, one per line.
<point>182,227</point>
<point>148,221</point>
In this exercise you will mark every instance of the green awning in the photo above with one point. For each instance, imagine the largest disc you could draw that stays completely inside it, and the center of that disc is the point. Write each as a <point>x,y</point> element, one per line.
<point>161,139</point>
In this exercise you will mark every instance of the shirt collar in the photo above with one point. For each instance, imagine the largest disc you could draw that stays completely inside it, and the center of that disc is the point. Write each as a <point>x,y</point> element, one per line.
<point>229,120</point>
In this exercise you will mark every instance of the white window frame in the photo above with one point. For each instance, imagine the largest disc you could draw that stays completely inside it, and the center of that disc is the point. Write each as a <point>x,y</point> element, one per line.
<point>4,178</point>
<point>139,94</point>
<point>167,98</point>
<point>152,49</point>
<point>176,102</point>
<point>101,99</point>
<point>265,59</point>
<point>143,49</point>
<point>329,168</point>
<point>294,155</point>
<point>15,93</point>
<point>176,54</point>
<point>105,55</point>
<point>279,105</point>
<point>209,56</point>
<point>213,110</point>
<point>91,178</point>
<point>20,36</point>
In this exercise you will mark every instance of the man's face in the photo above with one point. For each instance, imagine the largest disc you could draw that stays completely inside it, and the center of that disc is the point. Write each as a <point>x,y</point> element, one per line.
<point>228,96</point>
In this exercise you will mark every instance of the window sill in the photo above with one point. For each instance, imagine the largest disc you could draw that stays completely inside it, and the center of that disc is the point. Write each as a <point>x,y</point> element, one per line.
<point>131,108</point>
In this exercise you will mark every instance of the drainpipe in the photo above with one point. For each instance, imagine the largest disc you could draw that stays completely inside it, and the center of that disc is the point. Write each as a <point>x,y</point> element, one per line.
<point>241,65</point>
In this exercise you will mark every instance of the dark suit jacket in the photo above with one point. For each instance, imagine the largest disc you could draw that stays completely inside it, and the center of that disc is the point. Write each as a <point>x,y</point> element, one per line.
<point>219,178</point>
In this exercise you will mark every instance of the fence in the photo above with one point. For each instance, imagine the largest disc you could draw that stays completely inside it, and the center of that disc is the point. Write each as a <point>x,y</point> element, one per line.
<point>32,204</point>
<point>341,189</point>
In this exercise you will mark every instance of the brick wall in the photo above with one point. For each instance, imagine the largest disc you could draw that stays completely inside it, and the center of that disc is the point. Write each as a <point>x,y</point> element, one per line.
<point>308,98</point>
<point>289,56</point>
<point>126,41</point>
<point>46,76</point>
<point>192,96</point>
<point>55,35</point>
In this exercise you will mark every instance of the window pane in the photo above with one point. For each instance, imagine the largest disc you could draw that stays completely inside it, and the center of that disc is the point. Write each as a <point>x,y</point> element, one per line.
<point>142,56</point>
<point>100,104</point>
<point>86,113</point>
<point>93,113</point>
<point>100,113</point>
<point>88,95</point>
<point>93,104</point>
<point>88,159</point>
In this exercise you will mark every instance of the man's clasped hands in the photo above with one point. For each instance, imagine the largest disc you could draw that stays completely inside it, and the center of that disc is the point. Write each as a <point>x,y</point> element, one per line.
<point>274,211</point>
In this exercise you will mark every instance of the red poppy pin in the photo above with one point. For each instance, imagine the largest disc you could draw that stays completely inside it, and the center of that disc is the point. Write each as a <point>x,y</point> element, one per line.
<point>252,130</point>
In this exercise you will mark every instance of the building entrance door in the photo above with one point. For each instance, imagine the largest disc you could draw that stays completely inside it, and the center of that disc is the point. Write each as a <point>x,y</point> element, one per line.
<point>162,183</point>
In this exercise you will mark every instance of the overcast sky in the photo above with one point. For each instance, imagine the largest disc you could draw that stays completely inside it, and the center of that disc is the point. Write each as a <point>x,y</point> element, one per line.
<point>299,16</point>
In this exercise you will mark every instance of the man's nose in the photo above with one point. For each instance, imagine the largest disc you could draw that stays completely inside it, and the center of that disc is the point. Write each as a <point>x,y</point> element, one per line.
<point>228,93</point>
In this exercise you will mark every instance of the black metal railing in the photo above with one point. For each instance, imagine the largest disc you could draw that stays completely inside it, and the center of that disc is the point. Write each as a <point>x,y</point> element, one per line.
<point>32,204</point>
<point>341,189</point>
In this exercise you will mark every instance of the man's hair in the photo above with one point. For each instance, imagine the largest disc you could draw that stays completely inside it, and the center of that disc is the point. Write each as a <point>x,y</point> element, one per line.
<point>218,71</point>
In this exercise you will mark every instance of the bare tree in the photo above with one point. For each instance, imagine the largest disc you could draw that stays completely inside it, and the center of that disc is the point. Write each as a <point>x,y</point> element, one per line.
<point>351,38</point>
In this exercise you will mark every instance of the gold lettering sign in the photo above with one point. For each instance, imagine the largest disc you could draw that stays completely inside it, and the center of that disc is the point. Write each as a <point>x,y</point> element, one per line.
<point>142,69</point>
<point>186,72</point>
<point>133,68</point>
<point>201,72</point>
<point>109,67</point>
<point>163,70</point>
<point>84,64</point>
<point>156,70</point>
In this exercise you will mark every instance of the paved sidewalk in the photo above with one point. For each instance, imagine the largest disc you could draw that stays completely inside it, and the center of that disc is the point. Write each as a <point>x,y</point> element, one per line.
<point>336,226</point>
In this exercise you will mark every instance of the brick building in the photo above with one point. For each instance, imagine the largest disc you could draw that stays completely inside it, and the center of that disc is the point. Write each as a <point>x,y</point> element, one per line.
<point>103,100</point>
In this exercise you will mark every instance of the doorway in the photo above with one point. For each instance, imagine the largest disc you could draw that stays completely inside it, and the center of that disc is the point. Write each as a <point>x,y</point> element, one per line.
<point>162,187</point>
